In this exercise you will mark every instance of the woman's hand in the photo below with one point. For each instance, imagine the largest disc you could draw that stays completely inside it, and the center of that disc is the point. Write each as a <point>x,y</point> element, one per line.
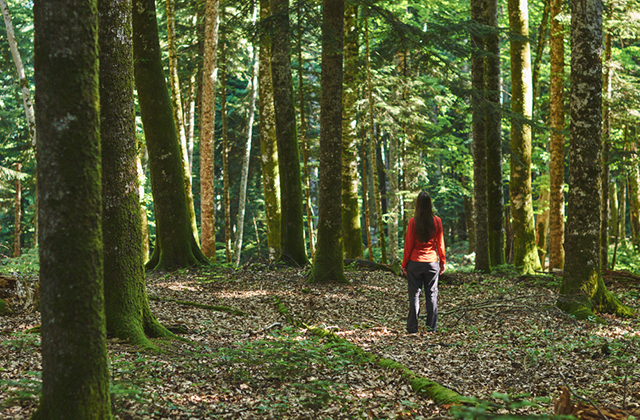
<point>442,268</point>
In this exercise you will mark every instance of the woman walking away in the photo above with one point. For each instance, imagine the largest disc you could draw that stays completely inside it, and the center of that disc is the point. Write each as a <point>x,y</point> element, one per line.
<point>423,262</point>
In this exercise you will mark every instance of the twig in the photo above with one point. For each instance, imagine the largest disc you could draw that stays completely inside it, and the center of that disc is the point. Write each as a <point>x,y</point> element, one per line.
<point>265,329</point>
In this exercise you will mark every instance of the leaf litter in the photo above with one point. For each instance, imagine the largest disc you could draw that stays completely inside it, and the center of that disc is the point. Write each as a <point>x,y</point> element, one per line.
<point>501,339</point>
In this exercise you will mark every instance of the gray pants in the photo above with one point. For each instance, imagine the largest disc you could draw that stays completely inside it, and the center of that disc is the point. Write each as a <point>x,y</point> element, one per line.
<point>419,275</point>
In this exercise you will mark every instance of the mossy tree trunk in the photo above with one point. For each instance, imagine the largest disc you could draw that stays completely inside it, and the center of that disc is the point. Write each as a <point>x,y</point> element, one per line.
<point>493,126</point>
<point>176,246</point>
<point>328,262</point>
<point>351,229</point>
<point>483,262</point>
<point>583,291</point>
<point>207,129</point>
<point>75,374</point>
<point>126,304</point>
<point>292,249</point>
<point>268,146</point>
<point>525,254</point>
<point>556,142</point>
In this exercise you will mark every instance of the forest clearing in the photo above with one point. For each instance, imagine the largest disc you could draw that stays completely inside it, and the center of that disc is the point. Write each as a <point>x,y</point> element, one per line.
<point>502,340</point>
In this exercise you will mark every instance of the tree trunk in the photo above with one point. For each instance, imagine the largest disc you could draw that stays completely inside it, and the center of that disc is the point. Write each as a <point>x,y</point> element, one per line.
<point>207,129</point>
<point>525,256</point>
<point>190,118</point>
<point>22,78</point>
<point>306,179</point>
<point>75,373</point>
<point>633,187</point>
<point>292,227</point>
<point>176,246</point>
<point>541,44</point>
<point>623,212</point>
<point>614,213</point>
<point>17,231</point>
<point>268,147</point>
<point>606,142</point>
<point>328,262</point>
<point>143,206</point>
<point>542,225</point>
<point>372,149</point>
<point>556,142</point>
<point>352,232</point>
<point>225,138</point>
<point>493,121</point>
<point>126,304</point>
<point>583,291</point>
<point>365,194</point>
<point>242,200</point>
<point>394,202</point>
<point>483,262</point>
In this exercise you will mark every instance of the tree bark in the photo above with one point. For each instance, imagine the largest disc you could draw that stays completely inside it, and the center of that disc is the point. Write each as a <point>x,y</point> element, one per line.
<point>247,150</point>
<point>493,123</point>
<point>633,188</point>
<point>328,263</point>
<point>292,250</point>
<point>351,229</point>
<point>126,304</point>
<point>606,143</point>
<point>176,246</point>
<point>306,179</point>
<point>75,374</point>
<point>542,225</point>
<point>483,262</point>
<point>365,195</point>
<point>377,200</point>
<point>524,247</point>
<point>268,146</point>
<point>556,142</point>
<point>207,129</point>
<point>22,78</point>
<point>583,291</point>
<point>225,137</point>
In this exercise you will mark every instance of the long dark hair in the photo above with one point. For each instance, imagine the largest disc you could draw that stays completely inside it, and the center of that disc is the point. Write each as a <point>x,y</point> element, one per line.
<point>425,225</point>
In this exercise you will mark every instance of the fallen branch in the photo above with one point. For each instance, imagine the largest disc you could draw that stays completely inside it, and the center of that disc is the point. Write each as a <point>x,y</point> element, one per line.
<point>226,309</point>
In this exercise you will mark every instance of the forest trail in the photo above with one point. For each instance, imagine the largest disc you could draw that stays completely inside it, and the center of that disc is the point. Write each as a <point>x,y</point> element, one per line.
<point>501,340</point>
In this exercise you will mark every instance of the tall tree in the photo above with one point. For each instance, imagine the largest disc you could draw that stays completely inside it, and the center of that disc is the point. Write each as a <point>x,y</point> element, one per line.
<point>556,142</point>
<point>377,200</point>
<point>126,303</point>
<point>226,176</point>
<point>306,171</point>
<point>17,231</point>
<point>292,249</point>
<point>583,292</point>
<point>328,262</point>
<point>207,129</point>
<point>242,200</point>
<point>493,125</point>
<point>176,246</point>
<point>483,262</point>
<point>22,77</point>
<point>525,251</point>
<point>75,375</point>
<point>268,147</point>
<point>352,232</point>
<point>606,142</point>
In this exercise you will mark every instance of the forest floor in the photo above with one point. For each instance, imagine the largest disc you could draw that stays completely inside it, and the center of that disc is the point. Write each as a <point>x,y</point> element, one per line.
<point>501,339</point>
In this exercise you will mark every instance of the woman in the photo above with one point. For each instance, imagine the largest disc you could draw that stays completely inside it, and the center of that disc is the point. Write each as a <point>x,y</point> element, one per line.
<point>423,262</point>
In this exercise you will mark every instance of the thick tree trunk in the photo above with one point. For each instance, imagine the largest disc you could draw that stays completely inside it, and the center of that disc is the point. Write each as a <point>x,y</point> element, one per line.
<point>377,200</point>
<point>242,200</point>
<point>268,147</point>
<point>493,121</point>
<point>126,304</point>
<point>525,256</point>
<point>556,143</point>
<point>176,246</point>
<point>207,129</point>
<point>22,78</point>
<point>483,262</point>
<point>352,232</point>
<point>328,263</point>
<point>292,228</point>
<point>583,291</point>
<point>75,374</point>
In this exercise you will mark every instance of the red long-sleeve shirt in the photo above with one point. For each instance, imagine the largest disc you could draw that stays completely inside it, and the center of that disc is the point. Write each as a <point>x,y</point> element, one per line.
<point>432,251</point>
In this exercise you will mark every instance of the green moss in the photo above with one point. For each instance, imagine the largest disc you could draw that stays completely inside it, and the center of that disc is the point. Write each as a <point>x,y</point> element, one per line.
<point>4,309</point>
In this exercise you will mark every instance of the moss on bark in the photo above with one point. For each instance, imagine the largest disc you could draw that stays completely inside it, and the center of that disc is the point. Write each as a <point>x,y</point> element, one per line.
<point>175,246</point>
